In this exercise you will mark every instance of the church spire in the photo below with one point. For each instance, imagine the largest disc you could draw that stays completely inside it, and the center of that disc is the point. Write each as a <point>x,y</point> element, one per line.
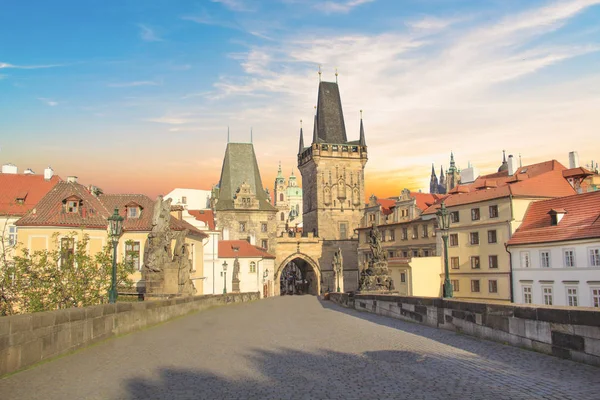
<point>301,146</point>
<point>362,141</point>
<point>432,170</point>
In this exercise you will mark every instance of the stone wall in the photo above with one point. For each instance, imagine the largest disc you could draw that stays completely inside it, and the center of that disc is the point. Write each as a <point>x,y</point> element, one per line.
<point>567,332</point>
<point>31,338</point>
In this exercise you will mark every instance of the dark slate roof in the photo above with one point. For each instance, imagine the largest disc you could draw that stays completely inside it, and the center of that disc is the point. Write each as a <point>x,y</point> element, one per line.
<point>330,117</point>
<point>239,166</point>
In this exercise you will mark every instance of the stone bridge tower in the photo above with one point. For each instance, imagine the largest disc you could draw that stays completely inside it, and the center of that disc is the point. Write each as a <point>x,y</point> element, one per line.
<point>332,171</point>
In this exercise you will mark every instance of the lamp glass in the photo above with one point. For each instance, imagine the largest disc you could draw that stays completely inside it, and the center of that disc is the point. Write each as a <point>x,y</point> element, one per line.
<point>116,224</point>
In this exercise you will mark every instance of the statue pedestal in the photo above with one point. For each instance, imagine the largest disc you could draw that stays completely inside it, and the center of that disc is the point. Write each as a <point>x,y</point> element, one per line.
<point>375,279</point>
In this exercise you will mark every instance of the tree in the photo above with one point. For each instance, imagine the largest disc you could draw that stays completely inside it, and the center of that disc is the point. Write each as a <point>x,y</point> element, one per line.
<point>61,278</point>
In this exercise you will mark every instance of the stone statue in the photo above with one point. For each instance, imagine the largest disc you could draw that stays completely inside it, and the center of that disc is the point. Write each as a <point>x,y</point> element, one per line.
<point>375,244</point>
<point>235,280</point>
<point>166,272</point>
<point>157,253</point>
<point>376,277</point>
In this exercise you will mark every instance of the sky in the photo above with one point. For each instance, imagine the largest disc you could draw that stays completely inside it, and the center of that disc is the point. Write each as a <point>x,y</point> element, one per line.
<point>137,96</point>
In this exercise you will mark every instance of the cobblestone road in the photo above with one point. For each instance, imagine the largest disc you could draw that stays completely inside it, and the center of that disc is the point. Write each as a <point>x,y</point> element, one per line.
<point>301,348</point>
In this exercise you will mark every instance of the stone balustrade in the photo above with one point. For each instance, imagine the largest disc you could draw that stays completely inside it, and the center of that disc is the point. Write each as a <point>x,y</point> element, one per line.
<point>567,332</point>
<point>30,338</point>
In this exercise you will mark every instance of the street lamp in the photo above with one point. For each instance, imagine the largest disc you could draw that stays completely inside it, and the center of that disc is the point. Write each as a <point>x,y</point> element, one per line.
<point>443,217</point>
<point>338,272</point>
<point>224,277</point>
<point>115,222</point>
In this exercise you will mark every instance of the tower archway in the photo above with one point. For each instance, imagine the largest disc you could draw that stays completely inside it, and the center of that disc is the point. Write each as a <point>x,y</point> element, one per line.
<point>298,274</point>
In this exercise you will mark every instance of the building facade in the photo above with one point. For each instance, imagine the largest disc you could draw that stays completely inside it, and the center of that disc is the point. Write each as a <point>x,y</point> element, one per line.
<point>249,268</point>
<point>70,211</point>
<point>408,239</point>
<point>483,217</point>
<point>556,252</point>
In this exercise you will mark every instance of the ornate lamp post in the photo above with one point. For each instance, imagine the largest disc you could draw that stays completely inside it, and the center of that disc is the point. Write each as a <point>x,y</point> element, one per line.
<point>338,272</point>
<point>224,277</point>
<point>443,217</point>
<point>115,222</point>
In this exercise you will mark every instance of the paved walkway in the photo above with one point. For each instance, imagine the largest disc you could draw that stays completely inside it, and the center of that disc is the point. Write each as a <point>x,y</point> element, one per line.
<point>301,348</point>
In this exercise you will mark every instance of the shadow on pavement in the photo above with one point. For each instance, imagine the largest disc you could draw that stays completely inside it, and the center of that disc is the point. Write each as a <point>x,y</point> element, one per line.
<point>293,374</point>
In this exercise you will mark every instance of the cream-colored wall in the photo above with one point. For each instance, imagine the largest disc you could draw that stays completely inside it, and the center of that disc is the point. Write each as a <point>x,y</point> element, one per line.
<point>426,275</point>
<point>396,271</point>
<point>5,223</point>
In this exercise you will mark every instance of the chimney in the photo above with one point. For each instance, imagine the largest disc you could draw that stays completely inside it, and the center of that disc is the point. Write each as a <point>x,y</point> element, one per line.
<point>71,179</point>
<point>573,159</point>
<point>28,171</point>
<point>512,165</point>
<point>9,169</point>
<point>48,173</point>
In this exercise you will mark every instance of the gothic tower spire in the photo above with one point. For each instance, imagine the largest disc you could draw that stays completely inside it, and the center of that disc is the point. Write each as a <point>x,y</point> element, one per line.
<point>362,140</point>
<point>301,145</point>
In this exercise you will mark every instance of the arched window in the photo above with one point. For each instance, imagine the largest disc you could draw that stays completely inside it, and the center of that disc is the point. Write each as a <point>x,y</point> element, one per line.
<point>282,217</point>
<point>252,267</point>
<point>280,196</point>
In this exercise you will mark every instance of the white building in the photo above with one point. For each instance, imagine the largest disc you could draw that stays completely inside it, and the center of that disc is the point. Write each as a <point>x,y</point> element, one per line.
<point>192,199</point>
<point>256,268</point>
<point>555,253</point>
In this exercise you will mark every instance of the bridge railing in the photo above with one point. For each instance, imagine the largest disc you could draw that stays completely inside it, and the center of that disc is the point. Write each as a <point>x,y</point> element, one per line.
<point>30,338</point>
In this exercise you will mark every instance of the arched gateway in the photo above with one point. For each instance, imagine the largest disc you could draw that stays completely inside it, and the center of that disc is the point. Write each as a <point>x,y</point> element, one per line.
<point>298,274</point>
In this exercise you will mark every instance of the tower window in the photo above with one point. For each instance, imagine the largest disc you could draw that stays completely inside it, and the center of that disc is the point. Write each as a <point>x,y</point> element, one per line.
<point>280,196</point>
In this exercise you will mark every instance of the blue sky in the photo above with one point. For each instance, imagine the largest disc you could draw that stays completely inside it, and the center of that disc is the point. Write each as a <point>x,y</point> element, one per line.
<point>137,95</point>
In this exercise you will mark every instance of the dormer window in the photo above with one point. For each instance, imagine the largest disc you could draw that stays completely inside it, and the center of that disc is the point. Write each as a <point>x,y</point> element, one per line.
<point>133,212</point>
<point>556,214</point>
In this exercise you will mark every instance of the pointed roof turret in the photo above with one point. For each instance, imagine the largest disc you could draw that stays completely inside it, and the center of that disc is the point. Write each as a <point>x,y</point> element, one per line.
<point>452,163</point>
<point>316,131</point>
<point>301,145</point>
<point>362,140</point>
<point>504,165</point>
<point>279,172</point>
<point>432,170</point>
<point>442,172</point>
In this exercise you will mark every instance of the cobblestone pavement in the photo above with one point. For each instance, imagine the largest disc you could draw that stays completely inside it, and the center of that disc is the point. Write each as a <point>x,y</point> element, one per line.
<point>301,348</point>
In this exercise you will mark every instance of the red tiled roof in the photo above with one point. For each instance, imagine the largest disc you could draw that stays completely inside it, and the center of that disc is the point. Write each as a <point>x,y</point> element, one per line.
<point>577,172</point>
<point>95,211</point>
<point>424,200</point>
<point>245,250</point>
<point>31,188</point>
<point>541,180</point>
<point>581,221</point>
<point>50,209</point>
<point>206,216</point>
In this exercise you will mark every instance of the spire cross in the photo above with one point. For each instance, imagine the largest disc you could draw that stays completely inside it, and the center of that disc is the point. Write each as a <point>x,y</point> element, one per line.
<point>361,114</point>
<point>319,72</point>
<point>300,124</point>
<point>227,133</point>
<point>336,75</point>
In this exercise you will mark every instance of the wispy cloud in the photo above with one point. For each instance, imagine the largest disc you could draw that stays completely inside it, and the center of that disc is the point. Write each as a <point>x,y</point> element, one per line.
<point>172,120</point>
<point>340,6</point>
<point>148,34</point>
<point>235,5</point>
<point>134,84</point>
<point>48,102</point>
<point>459,87</point>
<point>4,65</point>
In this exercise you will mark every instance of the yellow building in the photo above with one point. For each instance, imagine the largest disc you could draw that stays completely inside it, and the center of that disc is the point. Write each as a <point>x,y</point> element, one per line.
<point>70,211</point>
<point>483,217</point>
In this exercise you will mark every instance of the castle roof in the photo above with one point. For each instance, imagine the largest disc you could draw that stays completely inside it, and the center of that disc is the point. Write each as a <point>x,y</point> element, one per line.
<point>239,166</point>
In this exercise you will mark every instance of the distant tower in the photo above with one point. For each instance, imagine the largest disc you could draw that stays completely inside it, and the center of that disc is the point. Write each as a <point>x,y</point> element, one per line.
<point>332,171</point>
<point>433,182</point>
<point>504,165</point>
<point>453,175</point>
<point>442,184</point>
